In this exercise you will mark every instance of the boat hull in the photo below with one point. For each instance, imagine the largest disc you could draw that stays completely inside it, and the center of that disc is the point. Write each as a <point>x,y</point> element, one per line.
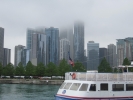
<point>81,98</point>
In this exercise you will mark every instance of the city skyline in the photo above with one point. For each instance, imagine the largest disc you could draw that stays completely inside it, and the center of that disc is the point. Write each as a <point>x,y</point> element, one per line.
<point>105,21</point>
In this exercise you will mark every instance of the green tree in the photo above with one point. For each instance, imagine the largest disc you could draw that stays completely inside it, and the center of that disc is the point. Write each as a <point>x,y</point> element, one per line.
<point>8,70</point>
<point>126,62</point>
<point>20,70</point>
<point>1,68</point>
<point>78,66</point>
<point>40,69</point>
<point>63,67</point>
<point>51,69</point>
<point>104,66</point>
<point>30,69</point>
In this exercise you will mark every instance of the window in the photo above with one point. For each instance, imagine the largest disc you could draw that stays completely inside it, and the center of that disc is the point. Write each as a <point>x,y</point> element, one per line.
<point>63,84</point>
<point>129,87</point>
<point>104,86</point>
<point>83,87</point>
<point>93,87</point>
<point>67,85</point>
<point>117,87</point>
<point>75,86</point>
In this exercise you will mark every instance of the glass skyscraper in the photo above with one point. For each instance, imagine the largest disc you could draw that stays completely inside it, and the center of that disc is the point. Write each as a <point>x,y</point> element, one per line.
<point>79,41</point>
<point>18,51</point>
<point>7,56</point>
<point>52,45</point>
<point>92,55</point>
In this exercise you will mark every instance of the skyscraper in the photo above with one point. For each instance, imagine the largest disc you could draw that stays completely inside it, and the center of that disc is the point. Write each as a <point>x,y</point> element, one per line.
<point>29,37</point>
<point>7,56</point>
<point>92,55</point>
<point>79,41</point>
<point>25,54</point>
<point>67,33</point>
<point>102,54</point>
<point>123,50</point>
<point>52,45</point>
<point>130,39</point>
<point>111,54</point>
<point>38,49</point>
<point>64,49</point>
<point>1,44</point>
<point>18,51</point>
<point>41,49</point>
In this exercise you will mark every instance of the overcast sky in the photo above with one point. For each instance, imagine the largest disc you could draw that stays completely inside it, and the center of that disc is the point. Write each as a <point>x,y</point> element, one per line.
<point>105,20</point>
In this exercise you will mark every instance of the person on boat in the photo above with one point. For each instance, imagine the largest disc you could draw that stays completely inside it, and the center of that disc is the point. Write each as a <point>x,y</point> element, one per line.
<point>73,75</point>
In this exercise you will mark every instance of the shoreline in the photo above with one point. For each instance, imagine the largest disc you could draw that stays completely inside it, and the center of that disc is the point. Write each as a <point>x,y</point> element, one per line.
<point>31,81</point>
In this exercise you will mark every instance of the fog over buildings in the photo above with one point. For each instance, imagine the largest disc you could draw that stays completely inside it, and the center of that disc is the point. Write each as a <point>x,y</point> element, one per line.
<point>104,20</point>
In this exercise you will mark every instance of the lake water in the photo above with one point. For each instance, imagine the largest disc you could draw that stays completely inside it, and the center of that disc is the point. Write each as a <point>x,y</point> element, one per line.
<point>27,92</point>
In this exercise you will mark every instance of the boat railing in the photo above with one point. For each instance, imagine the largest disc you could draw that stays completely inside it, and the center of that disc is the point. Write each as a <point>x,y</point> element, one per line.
<point>99,76</point>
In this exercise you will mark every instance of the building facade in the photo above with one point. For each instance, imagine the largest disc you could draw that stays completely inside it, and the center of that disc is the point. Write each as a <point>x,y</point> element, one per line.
<point>112,57</point>
<point>79,42</point>
<point>102,54</point>
<point>64,49</point>
<point>1,44</point>
<point>52,45</point>
<point>18,51</point>
<point>124,50</point>
<point>7,56</point>
<point>92,55</point>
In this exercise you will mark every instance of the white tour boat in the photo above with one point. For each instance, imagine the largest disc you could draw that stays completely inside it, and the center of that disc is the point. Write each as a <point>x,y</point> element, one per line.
<point>96,86</point>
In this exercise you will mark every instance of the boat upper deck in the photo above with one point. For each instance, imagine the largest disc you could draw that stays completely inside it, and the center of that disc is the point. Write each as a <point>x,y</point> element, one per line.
<point>85,76</point>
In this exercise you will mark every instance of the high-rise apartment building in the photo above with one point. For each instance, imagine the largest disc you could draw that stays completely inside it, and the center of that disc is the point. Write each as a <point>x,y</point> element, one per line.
<point>92,55</point>
<point>64,49</point>
<point>79,41</point>
<point>102,54</point>
<point>18,51</point>
<point>7,56</point>
<point>1,44</point>
<point>124,50</point>
<point>111,54</point>
<point>52,45</point>
<point>67,33</point>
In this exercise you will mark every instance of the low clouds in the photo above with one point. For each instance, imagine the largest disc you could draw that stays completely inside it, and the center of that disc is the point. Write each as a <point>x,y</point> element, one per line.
<point>105,20</point>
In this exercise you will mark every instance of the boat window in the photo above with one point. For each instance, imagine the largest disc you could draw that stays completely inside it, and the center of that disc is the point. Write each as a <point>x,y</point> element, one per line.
<point>104,86</point>
<point>67,85</point>
<point>129,87</point>
<point>63,84</point>
<point>75,86</point>
<point>83,87</point>
<point>92,87</point>
<point>117,87</point>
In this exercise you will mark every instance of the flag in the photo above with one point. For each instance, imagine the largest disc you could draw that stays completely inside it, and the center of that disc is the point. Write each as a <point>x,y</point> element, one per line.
<point>70,60</point>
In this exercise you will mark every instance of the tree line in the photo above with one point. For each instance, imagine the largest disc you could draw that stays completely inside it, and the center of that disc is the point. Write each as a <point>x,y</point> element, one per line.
<point>52,70</point>
<point>104,67</point>
<point>41,70</point>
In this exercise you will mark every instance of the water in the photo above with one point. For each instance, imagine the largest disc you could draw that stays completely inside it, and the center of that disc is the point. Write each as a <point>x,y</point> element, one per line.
<point>27,92</point>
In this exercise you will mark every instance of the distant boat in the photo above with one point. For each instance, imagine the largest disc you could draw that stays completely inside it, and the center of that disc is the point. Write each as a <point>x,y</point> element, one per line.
<point>96,86</point>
